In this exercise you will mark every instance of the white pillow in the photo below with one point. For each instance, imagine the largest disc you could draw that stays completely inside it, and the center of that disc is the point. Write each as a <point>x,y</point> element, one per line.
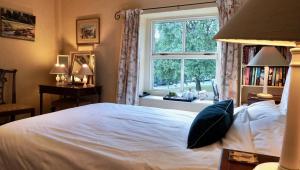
<point>285,95</point>
<point>267,134</point>
<point>239,136</point>
<point>262,109</point>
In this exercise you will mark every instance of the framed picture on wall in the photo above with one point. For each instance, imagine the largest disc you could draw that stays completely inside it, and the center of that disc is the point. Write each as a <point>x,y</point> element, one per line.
<point>88,31</point>
<point>17,25</point>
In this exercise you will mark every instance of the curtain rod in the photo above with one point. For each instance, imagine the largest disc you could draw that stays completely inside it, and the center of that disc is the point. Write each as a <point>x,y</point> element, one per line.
<point>119,13</point>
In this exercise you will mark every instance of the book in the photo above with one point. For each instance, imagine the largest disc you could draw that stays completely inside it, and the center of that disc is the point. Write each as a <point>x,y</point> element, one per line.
<point>270,76</point>
<point>284,74</point>
<point>277,77</point>
<point>255,76</point>
<point>247,75</point>
<point>250,76</point>
<point>274,76</point>
<point>262,76</point>
<point>258,76</point>
<point>280,77</point>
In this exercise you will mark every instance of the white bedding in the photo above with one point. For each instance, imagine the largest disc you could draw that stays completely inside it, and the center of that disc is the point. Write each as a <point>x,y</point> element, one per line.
<point>113,137</point>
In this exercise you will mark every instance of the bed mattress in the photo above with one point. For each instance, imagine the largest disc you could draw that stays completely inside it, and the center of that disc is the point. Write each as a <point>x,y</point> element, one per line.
<point>111,137</point>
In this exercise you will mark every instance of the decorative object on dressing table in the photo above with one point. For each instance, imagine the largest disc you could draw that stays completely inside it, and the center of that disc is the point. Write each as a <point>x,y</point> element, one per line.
<point>78,59</point>
<point>85,71</point>
<point>60,70</point>
<point>276,23</point>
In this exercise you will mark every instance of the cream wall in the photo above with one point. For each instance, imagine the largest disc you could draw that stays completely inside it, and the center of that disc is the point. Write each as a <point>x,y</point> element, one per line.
<point>55,33</point>
<point>107,53</point>
<point>33,60</point>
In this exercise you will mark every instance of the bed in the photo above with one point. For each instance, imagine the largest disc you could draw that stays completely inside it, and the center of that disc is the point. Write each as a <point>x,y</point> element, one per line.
<point>112,136</point>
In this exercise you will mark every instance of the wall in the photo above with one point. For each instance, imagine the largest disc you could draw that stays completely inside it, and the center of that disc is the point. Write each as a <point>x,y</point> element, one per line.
<point>107,53</point>
<point>33,60</point>
<point>55,33</point>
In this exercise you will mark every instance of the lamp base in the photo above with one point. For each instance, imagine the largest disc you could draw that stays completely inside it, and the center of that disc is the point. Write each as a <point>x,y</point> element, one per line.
<point>265,95</point>
<point>269,166</point>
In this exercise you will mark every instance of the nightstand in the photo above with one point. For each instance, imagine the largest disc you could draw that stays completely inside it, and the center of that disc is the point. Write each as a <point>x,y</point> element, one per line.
<point>227,164</point>
<point>252,98</point>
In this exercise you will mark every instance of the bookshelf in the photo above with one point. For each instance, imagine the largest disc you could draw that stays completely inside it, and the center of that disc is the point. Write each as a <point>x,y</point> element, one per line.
<point>252,77</point>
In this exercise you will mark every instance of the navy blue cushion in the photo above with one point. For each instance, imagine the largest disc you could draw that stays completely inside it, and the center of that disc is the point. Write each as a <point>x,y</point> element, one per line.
<point>211,124</point>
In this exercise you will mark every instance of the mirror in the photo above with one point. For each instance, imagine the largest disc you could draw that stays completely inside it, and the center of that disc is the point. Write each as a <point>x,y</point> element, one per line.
<point>64,59</point>
<point>77,60</point>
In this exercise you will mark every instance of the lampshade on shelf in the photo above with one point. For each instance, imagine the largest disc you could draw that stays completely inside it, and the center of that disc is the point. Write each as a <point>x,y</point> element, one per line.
<point>274,22</point>
<point>85,71</point>
<point>267,56</point>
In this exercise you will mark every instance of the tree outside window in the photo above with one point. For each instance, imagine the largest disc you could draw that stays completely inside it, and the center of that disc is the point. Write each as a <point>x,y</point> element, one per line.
<point>184,54</point>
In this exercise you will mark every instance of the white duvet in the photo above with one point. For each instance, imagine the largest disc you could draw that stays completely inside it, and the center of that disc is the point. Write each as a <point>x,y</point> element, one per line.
<point>113,137</point>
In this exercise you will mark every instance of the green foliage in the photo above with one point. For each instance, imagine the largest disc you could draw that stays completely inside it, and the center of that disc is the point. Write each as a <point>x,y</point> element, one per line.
<point>166,72</point>
<point>168,37</point>
<point>199,37</point>
<point>199,71</point>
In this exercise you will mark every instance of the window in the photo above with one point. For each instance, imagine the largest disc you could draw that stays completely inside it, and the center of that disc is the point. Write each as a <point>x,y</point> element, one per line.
<point>183,54</point>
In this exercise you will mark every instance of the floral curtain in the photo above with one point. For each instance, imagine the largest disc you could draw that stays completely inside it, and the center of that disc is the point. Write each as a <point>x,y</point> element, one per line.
<point>230,57</point>
<point>127,91</point>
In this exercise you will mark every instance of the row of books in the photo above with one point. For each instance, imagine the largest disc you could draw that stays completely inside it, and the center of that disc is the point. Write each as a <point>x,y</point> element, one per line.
<point>255,76</point>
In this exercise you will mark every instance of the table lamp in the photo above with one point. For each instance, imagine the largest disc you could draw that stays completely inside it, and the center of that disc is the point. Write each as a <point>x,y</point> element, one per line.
<point>267,56</point>
<point>85,71</point>
<point>59,69</point>
<point>274,22</point>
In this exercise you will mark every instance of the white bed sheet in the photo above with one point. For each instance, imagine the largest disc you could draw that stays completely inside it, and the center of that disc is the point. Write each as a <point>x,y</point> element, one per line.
<point>113,137</point>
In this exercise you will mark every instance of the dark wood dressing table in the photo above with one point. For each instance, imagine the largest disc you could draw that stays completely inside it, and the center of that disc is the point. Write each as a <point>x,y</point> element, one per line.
<point>76,91</point>
<point>226,164</point>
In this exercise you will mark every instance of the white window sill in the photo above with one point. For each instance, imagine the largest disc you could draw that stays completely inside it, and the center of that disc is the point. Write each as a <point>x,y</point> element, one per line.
<point>157,101</point>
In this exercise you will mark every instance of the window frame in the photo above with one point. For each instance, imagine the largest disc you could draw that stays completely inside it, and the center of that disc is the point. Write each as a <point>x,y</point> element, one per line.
<point>176,55</point>
<point>185,19</point>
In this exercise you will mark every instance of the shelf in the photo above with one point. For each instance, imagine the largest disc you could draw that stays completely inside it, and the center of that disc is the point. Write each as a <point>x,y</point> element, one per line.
<point>279,87</point>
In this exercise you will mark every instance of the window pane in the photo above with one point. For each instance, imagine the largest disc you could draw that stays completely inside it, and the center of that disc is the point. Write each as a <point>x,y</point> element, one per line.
<point>199,36</point>
<point>167,74</point>
<point>198,74</point>
<point>168,37</point>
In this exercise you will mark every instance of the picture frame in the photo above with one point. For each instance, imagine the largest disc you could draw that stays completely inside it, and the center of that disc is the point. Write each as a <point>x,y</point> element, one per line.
<point>17,25</point>
<point>88,31</point>
<point>78,58</point>
<point>64,59</point>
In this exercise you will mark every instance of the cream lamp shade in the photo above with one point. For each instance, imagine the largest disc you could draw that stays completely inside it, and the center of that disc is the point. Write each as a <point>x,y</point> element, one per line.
<point>274,22</point>
<point>59,69</point>
<point>265,22</point>
<point>85,71</point>
<point>268,56</point>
